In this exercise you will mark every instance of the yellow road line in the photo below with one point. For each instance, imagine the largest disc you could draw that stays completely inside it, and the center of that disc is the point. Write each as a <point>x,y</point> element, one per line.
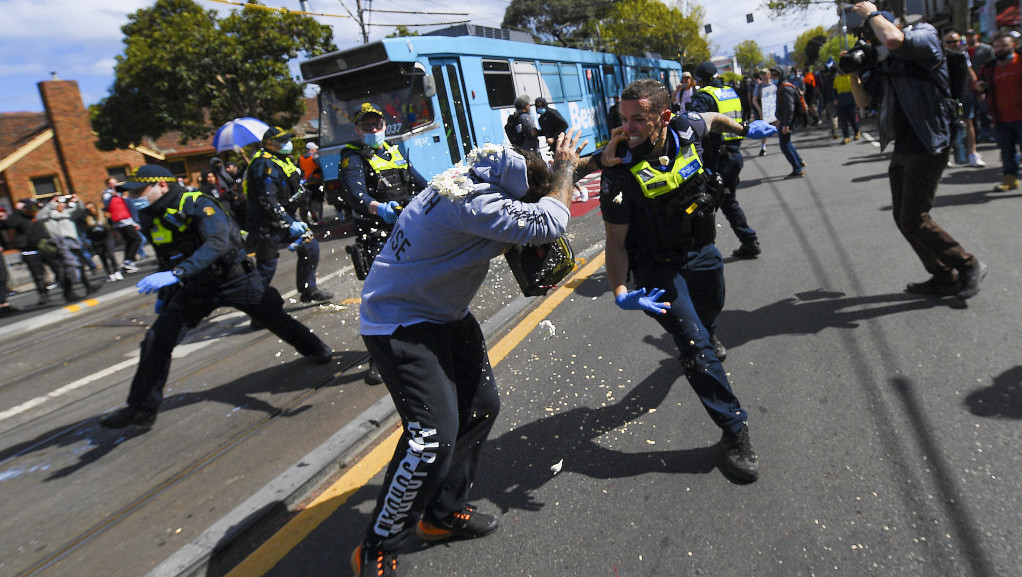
<point>305,522</point>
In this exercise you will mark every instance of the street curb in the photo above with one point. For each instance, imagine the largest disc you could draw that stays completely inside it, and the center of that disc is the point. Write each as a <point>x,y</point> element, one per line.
<point>288,488</point>
<point>291,486</point>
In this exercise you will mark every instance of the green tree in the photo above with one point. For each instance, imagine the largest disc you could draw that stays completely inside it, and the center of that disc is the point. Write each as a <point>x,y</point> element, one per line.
<point>184,69</point>
<point>563,22</point>
<point>637,26</point>
<point>400,31</point>
<point>805,52</point>
<point>832,48</point>
<point>748,55</point>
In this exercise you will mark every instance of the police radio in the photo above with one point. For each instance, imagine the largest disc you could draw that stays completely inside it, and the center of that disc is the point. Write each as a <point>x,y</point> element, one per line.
<point>538,268</point>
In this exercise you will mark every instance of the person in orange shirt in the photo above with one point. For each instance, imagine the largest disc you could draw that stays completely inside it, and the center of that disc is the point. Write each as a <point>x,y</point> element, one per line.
<point>1001,80</point>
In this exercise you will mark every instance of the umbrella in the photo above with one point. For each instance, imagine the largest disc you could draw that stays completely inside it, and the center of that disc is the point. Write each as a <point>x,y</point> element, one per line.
<point>239,133</point>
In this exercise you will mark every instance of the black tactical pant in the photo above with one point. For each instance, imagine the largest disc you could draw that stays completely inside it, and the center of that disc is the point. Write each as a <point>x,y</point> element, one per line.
<point>191,303</point>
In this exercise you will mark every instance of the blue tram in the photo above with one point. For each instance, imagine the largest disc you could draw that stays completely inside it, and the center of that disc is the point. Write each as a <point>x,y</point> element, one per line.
<point>452,90</point>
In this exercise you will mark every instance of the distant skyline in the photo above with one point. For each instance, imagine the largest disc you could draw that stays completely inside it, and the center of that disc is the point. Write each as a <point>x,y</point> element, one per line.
<point>79,40</point>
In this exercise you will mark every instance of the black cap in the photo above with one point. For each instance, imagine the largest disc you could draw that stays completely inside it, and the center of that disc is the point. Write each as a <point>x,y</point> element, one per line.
<point>145,175</point>
<point>366,109</point>
<point>706,71</point>
<point>541,102</point>
<point>276,133</point>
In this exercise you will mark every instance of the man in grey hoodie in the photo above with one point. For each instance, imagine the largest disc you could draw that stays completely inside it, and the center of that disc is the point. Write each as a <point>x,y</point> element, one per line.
<point>430,351</point>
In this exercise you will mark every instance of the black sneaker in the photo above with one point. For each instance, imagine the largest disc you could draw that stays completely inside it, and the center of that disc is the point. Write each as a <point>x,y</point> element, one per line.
<point>465,524</point>
<point>933,286</point>
<point>719,348</point>
<point>369,561</point>
<point>316,295</point>
<point>373,375</point>
<point>739,458</point>
<point>748,250</point>
<point>323,356</point>
<point>796,174</point>
<point>762,152</point>
<point>970,277</point>
<point>128,416</point>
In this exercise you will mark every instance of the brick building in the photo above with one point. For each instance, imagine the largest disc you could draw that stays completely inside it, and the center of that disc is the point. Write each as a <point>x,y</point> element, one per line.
<point>54,151</point>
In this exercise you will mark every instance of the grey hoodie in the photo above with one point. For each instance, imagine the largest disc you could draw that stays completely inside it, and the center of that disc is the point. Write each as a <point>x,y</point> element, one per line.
<point>440,250</point>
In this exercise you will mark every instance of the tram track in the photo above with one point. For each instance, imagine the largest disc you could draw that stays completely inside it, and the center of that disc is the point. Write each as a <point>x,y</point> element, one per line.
<point>184,472</point>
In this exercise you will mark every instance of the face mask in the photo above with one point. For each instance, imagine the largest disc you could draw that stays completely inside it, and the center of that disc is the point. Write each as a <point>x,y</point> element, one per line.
<point>374,139</point>
<point>287,148</point>
<point>643,149</point>
<point>541,111</point>
<point>775,81</point>
<point>142,202</point>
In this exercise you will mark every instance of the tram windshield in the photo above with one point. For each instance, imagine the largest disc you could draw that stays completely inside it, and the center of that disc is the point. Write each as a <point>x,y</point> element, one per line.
<point>395,88</point>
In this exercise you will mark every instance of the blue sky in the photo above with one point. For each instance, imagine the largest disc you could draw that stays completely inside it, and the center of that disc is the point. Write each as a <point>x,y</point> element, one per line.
<point>78,39</point>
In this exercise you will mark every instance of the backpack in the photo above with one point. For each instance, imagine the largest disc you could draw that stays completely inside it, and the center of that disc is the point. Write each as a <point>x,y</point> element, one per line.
<point>801,108</point>
<point>513,128</point>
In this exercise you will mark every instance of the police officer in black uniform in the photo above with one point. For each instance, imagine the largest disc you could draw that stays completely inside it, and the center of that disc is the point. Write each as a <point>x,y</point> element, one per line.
<point>658,204</point>
<point>203,265</point>
<point>722,153</point>
<point>376,181</point>
<point>273,188</point>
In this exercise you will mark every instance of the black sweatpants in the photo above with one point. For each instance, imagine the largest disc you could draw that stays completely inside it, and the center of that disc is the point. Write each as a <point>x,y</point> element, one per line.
<point>440,378</point>
<point>191,303</point>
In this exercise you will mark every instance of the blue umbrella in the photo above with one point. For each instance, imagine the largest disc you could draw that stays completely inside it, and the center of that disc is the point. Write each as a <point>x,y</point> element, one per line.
<point>239,133</point>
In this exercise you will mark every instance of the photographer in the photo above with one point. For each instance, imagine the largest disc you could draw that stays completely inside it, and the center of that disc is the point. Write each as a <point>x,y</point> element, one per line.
<point>905,68</point>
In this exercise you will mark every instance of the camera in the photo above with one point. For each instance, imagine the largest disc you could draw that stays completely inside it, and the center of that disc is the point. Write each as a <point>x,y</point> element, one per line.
<point>862,56</point>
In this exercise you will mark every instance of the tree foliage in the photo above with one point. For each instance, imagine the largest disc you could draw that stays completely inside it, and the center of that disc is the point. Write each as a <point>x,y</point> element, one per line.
<point>807,52</point>
<point>637,26</point>
<point>748,55</point>
<point>563,22</point>
<point>400,31</point>
<point>184,69</point>
<point>832,47</point>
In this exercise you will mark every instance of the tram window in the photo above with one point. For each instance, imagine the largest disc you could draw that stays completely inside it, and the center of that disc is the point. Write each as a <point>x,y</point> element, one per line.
<point>572,86</point>
<point>500,87</point>
<point>527,80</point>
<point>396,88</point>
<point>552,78</point>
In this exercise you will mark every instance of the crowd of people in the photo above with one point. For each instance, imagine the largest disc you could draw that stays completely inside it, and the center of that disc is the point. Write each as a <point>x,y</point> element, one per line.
<point>423,247</point>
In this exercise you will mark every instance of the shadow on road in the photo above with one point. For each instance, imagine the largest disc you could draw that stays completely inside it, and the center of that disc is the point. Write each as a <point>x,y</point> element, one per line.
<point>516,464</point>
<point>1002,399</point>
<point>813,311</point>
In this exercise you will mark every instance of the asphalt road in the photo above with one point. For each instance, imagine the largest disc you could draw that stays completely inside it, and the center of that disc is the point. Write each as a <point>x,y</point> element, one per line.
<point>887,425</point>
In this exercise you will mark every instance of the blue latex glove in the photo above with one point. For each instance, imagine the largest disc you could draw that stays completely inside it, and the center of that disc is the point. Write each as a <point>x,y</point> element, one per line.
<point>640,300</point>
<point>759,129</point>
<point>158,307</point>
<point>388,212</point>
<point>298,228</point>
<point>156,281</point>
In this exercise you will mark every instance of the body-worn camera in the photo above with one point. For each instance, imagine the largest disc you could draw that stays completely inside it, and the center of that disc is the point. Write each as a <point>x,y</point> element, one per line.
<point>862,56</point>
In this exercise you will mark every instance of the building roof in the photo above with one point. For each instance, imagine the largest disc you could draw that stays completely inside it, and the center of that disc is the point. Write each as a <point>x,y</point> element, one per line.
<point>18,129</point>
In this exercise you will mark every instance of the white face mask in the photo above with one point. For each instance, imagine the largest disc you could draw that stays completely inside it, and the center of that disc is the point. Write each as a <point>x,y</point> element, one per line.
<point>287,148</point>
<point>374,139</point>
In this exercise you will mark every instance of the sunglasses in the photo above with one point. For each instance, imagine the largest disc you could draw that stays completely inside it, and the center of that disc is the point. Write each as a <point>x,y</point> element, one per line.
<point>371,124</point>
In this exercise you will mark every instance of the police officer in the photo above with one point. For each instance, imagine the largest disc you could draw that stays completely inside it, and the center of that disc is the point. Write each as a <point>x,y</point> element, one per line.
<point>202,266</point>
<point>273,188</point>
<point>377,180</point>
<point>722,153</point>
<point>659,222</point>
